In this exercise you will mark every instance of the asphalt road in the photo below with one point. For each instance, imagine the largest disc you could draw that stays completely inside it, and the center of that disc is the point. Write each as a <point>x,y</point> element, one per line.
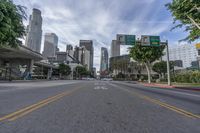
<point>96,107</point>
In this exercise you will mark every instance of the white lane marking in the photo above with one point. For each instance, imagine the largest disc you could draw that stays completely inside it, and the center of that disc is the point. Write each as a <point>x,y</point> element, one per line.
<point>100,88</point>
<point>103,88</point>
<point>97,88</point>
<point>96,84</point>
<point>100,85</point>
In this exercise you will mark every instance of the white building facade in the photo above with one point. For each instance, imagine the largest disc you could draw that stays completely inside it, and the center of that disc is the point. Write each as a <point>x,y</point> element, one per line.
<point>88,44</point>
<point>185,52</point>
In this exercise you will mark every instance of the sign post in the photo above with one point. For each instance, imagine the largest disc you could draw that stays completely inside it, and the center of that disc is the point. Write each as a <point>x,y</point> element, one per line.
<point>150,40</point>
<point>168,64</point>
<point>126,39</point>
<point>154,41</point>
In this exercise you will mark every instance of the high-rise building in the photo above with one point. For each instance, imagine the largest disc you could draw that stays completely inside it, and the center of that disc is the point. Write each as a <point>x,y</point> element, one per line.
<point>61,57</point>
<point>34,31</point>
<point>82,55</point>
<point>104,60</point>
<point>76,54</point>
<point>185,52</point>
<point>69,47</point>
<point>114,60</point>
<point>88,44</point>
<point>69,50</point>
<point>115,49</point>
<point>50,45</point>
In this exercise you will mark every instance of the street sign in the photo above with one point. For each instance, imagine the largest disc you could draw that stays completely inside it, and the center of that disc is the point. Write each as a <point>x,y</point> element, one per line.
<point>126,39</point>
<point>145,40</point>
<point>198,46</point>
<point>155,40</point>
<point>150,40</point>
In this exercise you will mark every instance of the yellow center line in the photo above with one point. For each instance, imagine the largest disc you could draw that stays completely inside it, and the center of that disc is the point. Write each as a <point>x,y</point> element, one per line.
<point>170,107</point>
<point>24,111</point>
<point>27,108</point>
<point>35,108</point>
<point>173,108</point>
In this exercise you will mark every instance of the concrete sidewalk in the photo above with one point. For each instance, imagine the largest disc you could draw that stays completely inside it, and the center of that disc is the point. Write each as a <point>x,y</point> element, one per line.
<point>23,81</point>
<point>173,86</point>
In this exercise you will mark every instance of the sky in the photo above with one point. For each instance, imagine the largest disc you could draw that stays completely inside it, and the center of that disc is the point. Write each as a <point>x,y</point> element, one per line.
<point>101,20</point>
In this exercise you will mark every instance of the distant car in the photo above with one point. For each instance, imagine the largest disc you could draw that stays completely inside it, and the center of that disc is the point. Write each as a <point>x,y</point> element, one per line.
<point>55,78</point>
<point>87,78</point>
<point>84,78</point>
<point>107,79</point>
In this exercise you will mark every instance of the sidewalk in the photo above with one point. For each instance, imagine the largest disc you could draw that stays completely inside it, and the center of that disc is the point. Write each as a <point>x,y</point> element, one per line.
<point>173,86</point>
<point>23,81</point>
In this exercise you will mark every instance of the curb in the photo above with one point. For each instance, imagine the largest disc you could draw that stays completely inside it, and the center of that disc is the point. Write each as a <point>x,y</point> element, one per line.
<point>188,88</point>
<point>171,87</point>
<point>158,85</point>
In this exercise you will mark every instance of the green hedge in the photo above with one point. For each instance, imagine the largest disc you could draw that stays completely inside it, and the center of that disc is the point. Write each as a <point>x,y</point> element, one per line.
<point>188,77</point>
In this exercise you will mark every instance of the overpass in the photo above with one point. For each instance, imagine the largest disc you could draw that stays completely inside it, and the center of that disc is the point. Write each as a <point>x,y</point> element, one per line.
<point>14,60</point>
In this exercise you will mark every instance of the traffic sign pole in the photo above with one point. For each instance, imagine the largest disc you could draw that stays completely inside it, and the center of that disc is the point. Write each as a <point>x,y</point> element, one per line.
<point>146,41</point>
<point>168,64</point>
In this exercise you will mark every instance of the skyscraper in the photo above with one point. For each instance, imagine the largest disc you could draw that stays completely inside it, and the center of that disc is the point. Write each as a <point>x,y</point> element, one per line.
<point>34,31</point>
<point>50,45</point>
<point>69,50</point>
<point>88,44</point>
<point>76,54</point>
<point>115,49</point>
<point>82,56</point>
<point>104,60</point>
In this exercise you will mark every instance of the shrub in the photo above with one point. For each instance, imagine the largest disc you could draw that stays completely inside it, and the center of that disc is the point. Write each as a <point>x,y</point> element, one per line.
<point>188,77</point>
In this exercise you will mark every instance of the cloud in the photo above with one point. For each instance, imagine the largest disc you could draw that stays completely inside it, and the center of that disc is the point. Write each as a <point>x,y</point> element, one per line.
<point>100,21</point>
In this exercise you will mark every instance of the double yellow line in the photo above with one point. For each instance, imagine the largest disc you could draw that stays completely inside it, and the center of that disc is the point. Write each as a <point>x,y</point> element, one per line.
<point>170,107</point>
<point>22,112</point>
<point>165,105</point>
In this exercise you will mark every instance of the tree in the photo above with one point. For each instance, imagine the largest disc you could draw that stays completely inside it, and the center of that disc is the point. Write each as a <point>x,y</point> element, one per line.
<point>81,70</point>
<point>146,55</point>
<point>161,67</point>
<point>11,23</point>
<point>64,69</point>
<point>187,12</point>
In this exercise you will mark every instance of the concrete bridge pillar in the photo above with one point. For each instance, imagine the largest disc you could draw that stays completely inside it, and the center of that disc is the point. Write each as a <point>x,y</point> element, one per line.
<point>49,74</point>
<point>30,66</point>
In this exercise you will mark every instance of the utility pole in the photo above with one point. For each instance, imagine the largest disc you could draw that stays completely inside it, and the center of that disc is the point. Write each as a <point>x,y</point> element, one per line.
<point>168,64</point>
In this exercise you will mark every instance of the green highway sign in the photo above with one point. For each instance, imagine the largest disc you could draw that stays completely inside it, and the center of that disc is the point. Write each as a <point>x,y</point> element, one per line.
<point>154,40</point>
<point>126,39</point>
<point>150,40</point>
<point>130,39</point>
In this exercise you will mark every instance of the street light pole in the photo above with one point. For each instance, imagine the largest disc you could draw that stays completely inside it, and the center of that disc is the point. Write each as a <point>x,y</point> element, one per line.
<point>168,64</point>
